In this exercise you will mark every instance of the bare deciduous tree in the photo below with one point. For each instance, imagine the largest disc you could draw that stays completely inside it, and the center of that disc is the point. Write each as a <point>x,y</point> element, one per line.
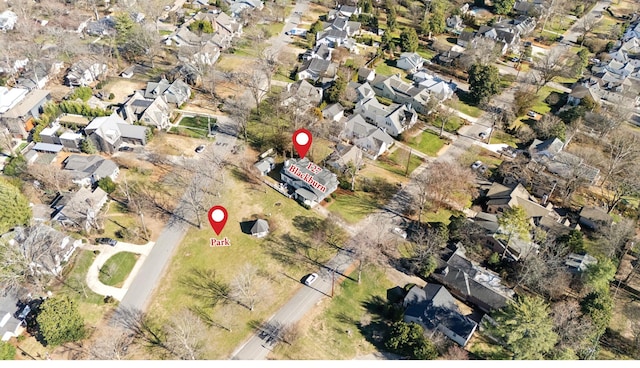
<point>185,335</point>
<point>446,184</point>
<point>571,326</point>
<point>548,67</point>
<point>247,287</point>
<point>114,345</point>
<point>587,24</point>
<point>51,177</point>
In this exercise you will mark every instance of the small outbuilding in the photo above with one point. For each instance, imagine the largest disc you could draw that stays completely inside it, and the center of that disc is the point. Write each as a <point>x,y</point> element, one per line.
<point>260,228</point>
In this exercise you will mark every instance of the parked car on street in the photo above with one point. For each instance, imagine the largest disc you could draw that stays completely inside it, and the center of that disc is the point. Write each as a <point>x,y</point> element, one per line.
<point>200,148</point>
<point>311,279</point>
<point>476,164</point>
<point>109,241</point>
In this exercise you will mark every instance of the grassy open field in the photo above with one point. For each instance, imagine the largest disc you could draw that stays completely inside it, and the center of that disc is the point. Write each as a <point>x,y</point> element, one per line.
<point>343,327</point>
<point>396,162</point>
<point>388,67</point>
<point>194,127</point>
<point>353,207</point>
<point>282,259</point>
<point>427,142</point>
<point>116,269</point>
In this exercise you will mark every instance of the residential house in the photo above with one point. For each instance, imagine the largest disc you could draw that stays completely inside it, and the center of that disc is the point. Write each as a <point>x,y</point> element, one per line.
<point>532,8</point>
<point>393,119</point>
<point>465,38</point>
<point>79,209</point>
<point>154,112</point>
<point>399,91</point>
<point>20,107</point>
<point>410,62</point>
<point>562,164</point>
<point>455,23</point>
<point>346,11</point>
<point>581,91</point>
<point>333,112</point>
<point>260,228</point>
<point>366,75</point>
<point>437,87</point>
<point>500,197</point>
<point>105,26</point>
<point>315,69</point>
<point>472,283</point>
<point>12,313</point>
<point>52,248</point>
<point>311,183</point>
<point>333,38</point>
<point>8,20</point>
<point>47,148</point>
<point>302,95</point>
<point>88,170</point>
<point>435,309</point>
<point>36,75</point>
<point>448,58</point>
<point>343,156</point>
<point>364,91</point>
<point>594,218</point>
<point>176,93</point>
<point>237,7</point>
<point>578,263</point>
<point>342,24</point>
<point>372,140</point>
<point>85,72</point>
<point>265,165</point>
<point>228,26</point>
<point>320,51</point>
<point>109,132</point>
<point>187,73</point>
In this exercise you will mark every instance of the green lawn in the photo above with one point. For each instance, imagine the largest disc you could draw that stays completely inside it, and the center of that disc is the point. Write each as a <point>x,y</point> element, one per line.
<point>451,126</point>
<point>540,105</point>
<point>499,136</point>
<point>427,142</point>
<point>465,107</point>
<point>90,304</point>
<point>396,162</point>
<point>353,207</point>
<point>344,328</point>
<point>441,215</point>
<point>117,219</point>
<point>426,53</point>
<point>116,269</point>
<point>387,67</point>
<point>194,127</point>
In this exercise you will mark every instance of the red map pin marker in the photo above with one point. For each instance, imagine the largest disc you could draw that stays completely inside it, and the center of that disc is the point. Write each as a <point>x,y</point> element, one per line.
<point>218,218</point>
<point>302,141</point>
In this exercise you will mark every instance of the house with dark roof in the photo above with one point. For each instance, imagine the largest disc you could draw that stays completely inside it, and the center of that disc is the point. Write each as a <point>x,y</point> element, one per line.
<point>594,218</point>
<point>151,112</point>
<point>315,69</point>
<point>176,92</point>
<point>472,283</point>
<point>87,170</point>
<point>105,26</point>
<point>366,75</point>
<point>265,165</point>
<point>310,183</point>
<point>435,309</point>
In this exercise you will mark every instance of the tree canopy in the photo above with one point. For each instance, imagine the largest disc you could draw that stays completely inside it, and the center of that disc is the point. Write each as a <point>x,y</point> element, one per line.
<point>59,321</point>
<point>484,82</point>
<point>514,223</point>
<point>7,351</point>
<point>525,327</point>
<point>503,6</point>
<point>14,207</point>
<point>599,275</point>
<point>409,40</point>
<point>408,339</point>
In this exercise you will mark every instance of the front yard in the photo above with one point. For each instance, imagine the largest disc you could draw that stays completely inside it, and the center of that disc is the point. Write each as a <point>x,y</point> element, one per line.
<point>399,162</point>
<point>427,142</point>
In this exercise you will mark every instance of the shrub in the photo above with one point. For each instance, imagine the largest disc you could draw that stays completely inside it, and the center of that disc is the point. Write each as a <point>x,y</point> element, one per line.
<point>111,96</point>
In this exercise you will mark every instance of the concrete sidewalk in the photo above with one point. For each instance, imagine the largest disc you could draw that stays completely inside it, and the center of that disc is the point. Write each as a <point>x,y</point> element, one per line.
<point>107,252</point>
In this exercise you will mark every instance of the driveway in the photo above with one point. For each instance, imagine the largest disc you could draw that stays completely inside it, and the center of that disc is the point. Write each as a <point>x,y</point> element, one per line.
<point>106,252</point>
<point>572,34</point>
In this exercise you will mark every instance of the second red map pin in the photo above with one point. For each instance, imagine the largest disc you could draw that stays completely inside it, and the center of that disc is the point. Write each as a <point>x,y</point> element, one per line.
<point>302,141</point>
<point>217,218</point>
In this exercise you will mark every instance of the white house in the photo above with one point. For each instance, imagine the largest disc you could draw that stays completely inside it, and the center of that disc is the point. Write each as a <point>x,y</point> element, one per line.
<point>410,62</point>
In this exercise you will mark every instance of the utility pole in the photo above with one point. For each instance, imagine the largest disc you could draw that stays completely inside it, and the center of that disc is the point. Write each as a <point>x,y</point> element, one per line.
<point>406,172</point>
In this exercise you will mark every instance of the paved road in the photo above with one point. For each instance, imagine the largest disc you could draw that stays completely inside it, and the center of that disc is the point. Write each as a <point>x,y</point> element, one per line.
<point>142,286</point>
<point>572,34</point>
